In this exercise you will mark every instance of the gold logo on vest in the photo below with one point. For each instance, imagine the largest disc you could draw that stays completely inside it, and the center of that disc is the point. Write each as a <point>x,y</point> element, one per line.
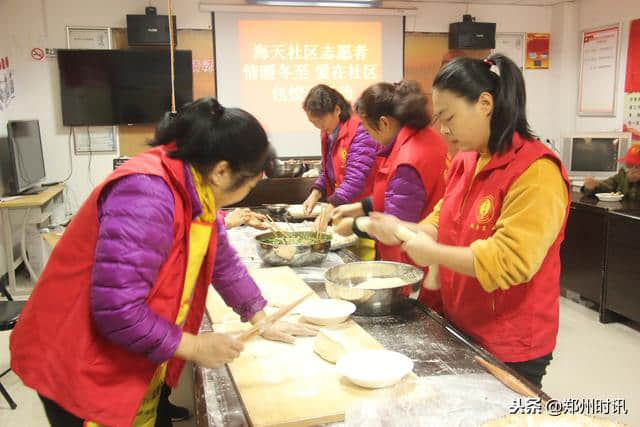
<point>343,156</point>
<point>486,210</point>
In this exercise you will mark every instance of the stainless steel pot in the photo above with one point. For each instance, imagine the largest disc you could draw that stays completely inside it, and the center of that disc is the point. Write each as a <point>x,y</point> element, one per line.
<point>341,282</point>
<point>293,255</point>
<point>277,208</point>
<point>285,169</point>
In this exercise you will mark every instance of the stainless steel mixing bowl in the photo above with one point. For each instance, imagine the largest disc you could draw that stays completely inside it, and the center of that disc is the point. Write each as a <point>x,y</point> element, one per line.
<point>293,255</point>
<point>341,282</point>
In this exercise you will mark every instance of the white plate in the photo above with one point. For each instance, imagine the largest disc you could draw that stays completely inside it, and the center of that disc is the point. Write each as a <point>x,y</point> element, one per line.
<point>609,197</point>
<point>326,312</point>
<point>374,368</point>
<point>297,211</point>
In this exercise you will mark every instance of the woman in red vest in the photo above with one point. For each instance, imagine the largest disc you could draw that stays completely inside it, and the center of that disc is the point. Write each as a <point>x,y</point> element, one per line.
<point>496,234</point>
<point>410,173</point>
<point>348,152</point>
<point>117,309</point>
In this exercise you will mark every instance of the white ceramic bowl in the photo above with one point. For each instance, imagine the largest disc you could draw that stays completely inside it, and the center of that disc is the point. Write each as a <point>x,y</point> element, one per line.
<point>374,368</point>
<point>609,197</point>
<point>326,312</point>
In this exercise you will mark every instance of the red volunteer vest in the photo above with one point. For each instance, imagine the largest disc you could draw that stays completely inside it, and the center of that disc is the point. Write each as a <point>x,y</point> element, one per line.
<point>55,347</point>
<point>426,151</point>
<point>518,324</point>
<point>338,157</point>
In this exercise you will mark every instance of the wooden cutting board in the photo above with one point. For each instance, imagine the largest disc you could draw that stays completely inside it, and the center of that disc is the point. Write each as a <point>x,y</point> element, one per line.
<point>288,384</point>
<point>279,286</point>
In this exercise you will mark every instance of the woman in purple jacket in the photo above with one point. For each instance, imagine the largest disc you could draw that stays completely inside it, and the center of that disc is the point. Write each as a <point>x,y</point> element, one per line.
<point>224,152</point>
<point>348,152</point>
<point>411,164</point>
<point>389,109</point>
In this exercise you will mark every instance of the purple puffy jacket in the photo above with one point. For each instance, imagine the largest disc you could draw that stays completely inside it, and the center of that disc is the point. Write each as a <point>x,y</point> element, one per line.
<point>361,159</point>
<point>136,223</point>
<point>405,195</point>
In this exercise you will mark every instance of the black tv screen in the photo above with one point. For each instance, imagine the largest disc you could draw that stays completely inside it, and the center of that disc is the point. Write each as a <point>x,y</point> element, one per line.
<point>112,87</point>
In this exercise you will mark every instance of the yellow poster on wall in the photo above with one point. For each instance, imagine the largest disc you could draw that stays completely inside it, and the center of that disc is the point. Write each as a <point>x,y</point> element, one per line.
<point>537,57</point>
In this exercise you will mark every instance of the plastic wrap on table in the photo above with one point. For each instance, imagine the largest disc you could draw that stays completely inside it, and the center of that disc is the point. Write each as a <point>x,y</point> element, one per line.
<point>243,240</point>
<point>437,401</point>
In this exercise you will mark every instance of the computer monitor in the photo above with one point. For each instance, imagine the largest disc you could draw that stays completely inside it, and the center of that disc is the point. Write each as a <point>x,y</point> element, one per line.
<point>594,154</point>
<point>23,160</point>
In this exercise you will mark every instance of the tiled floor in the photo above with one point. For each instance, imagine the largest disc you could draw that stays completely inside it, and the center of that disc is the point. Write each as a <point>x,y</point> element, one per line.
<point>595,361</point>
<point>591,360</point>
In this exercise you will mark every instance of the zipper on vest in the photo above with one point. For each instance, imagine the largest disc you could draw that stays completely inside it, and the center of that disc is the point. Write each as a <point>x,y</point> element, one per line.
<point>466,195</point>
<point>464,201</point>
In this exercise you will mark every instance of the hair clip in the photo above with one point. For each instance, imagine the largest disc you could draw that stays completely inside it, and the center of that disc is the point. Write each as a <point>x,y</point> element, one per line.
<point>490,63</point>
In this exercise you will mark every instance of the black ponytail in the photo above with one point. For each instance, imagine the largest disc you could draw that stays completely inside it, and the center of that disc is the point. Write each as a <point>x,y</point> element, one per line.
<point>404,101</point>
<point>206,133</point>
<point>499,76</point>
<point>323,99</point>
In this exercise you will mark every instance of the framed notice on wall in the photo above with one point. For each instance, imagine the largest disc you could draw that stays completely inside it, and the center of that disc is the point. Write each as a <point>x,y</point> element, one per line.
<point>94,139</point>
<point>512,46</point>
<point>88,37</point>
<point>599,54</point>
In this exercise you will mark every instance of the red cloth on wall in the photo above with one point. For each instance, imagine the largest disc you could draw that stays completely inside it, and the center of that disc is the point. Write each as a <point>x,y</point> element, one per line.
<point>632,83</point>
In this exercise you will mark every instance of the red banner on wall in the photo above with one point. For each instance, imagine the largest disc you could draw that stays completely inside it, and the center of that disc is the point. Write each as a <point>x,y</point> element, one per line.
<point>632,83</point>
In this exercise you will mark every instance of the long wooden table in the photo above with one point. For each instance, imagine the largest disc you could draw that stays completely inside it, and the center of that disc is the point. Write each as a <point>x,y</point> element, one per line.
<point>434,345</point>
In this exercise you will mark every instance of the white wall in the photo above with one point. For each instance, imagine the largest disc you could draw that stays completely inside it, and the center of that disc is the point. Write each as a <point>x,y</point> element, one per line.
<point>594,13</point>
<point>435,17</point>
<point>4,114</point>
<point>564,52</point>
<point>567,23</point>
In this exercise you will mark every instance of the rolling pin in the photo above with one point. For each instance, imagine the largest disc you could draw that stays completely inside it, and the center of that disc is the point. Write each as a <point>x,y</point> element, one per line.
<point>259,327</point>
<point>404,234</point>
<point>507,379</point>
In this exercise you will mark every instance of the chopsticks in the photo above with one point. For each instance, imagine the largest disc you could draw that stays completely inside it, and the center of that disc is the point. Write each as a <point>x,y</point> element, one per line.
<point>321,222</point>
<point>274,227</point>
<point>270,320</point>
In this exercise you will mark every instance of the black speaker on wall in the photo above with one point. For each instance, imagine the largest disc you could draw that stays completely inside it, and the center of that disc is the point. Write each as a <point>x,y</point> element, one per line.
<point>150,30</point>
<point>469,34</point>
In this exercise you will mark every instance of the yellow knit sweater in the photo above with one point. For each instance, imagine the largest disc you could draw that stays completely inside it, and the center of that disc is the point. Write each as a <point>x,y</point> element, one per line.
<point>532,214</point>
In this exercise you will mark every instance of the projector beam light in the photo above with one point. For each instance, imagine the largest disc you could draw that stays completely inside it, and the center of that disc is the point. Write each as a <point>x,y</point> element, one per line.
<point>325,3</point>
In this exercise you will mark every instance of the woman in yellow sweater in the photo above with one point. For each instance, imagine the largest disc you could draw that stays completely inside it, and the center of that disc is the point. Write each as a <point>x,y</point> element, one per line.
<point>496,233</point>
